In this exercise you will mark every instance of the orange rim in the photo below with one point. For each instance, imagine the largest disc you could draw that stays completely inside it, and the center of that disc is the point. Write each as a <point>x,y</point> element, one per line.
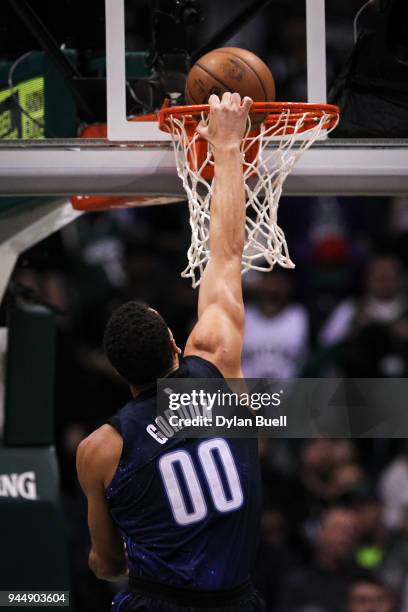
<point>297,110</point>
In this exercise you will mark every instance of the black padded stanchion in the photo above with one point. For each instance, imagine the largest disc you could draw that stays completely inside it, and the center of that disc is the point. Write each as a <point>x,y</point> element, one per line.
<point>33,546</point>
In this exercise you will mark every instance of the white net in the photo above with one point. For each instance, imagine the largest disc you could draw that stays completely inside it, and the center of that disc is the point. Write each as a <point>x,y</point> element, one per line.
<point>277,148</point>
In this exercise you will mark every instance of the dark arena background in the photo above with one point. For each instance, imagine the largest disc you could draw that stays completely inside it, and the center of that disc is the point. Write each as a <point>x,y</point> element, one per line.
<point>334,526</point>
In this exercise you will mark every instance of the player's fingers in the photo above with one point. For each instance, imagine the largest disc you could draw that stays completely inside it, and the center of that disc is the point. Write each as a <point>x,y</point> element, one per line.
<point>213,100</point>
<point>236,100</point>
<point>202,129</point>
<point>226,98</point>
<point>246,104</point>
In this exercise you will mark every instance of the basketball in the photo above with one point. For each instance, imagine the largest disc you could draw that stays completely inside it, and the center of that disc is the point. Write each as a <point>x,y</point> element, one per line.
<point>230,69</point>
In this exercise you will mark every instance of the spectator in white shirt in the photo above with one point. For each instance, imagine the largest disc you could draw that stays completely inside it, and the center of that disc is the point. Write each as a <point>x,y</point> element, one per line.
<point>383,302</point>
<point>394,490</point>
<point>373,330</point>
<point>276,330</point>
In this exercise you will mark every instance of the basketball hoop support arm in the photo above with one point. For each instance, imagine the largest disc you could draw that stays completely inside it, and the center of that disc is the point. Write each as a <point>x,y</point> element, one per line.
<point>28,226</point>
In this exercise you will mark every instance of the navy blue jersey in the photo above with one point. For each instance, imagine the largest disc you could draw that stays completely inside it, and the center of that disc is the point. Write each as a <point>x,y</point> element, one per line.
<point>189,508</point>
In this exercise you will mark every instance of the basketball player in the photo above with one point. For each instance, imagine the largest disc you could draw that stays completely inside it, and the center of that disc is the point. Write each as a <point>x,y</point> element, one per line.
<point>189,543</point>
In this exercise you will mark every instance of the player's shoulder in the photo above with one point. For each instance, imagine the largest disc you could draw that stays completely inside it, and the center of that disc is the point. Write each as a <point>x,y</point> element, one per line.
<point>194,365</point>
<point>99,449</point>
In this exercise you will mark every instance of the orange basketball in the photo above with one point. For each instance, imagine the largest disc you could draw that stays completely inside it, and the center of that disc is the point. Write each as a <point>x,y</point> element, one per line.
<point>230,69</point>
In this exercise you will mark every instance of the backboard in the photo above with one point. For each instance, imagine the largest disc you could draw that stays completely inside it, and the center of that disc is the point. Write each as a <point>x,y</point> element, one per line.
<point>305,42</point>
<point>339,166</point>
<point>119,128</point>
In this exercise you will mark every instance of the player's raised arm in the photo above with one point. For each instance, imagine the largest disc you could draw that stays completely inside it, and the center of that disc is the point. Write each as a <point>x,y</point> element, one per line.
<point>218,333</point>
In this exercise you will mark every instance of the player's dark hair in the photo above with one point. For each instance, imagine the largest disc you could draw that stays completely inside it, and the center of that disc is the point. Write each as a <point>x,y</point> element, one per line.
<point>137,343</point>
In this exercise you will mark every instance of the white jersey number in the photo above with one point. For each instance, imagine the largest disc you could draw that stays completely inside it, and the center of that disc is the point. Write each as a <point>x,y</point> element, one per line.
<point>177,463</point>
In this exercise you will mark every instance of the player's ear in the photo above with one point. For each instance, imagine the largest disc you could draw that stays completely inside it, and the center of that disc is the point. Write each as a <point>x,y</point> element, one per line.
<point>174,347</point>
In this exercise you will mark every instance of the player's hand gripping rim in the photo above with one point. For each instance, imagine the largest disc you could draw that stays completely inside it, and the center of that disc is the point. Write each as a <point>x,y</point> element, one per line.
<point>227,121</point>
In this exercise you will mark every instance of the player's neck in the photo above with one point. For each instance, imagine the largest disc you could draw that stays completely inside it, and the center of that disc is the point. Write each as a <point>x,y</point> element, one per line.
<point>136,391</point>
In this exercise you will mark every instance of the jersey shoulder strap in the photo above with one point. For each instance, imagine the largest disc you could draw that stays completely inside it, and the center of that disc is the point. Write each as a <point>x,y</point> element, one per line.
<point>196,367</point>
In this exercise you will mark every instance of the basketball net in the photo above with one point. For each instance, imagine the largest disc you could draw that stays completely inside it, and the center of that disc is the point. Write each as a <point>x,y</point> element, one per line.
<point>268,156</point>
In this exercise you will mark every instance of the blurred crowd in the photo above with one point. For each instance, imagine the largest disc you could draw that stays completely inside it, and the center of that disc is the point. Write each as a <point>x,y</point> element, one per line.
<point>335,518</point>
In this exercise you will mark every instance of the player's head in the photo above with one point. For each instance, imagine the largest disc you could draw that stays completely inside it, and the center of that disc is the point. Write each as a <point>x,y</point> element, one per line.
<point>139,344</point>
<point>369,594</point>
